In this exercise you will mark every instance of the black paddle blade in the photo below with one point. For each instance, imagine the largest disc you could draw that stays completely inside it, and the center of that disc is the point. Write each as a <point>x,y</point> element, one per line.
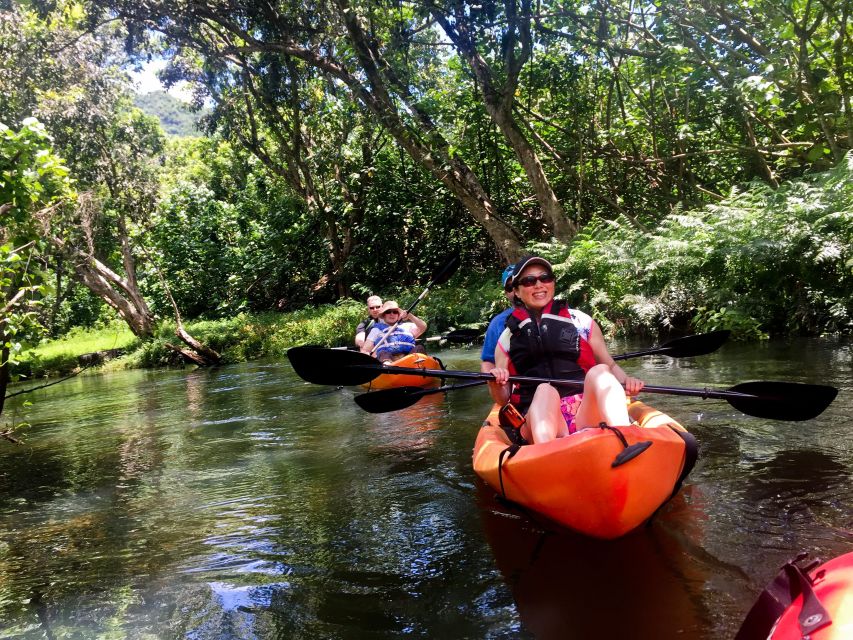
<point>395,399</point>
<point>392,399</point>
<point>698,345</point>
<point>446,272</point>
<point>333,366</point>
<point>782,400</point>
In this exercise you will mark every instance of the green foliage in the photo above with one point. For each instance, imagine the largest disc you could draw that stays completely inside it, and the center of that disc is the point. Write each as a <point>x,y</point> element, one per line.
<point>31,175</point>
<point>198,241</point>
<point>32,178</point>
<point>176,117</point>
<point>761,262</point>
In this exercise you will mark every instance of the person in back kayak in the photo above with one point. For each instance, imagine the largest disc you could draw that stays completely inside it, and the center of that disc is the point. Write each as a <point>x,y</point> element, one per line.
<point>497,324</point>
<point>395,333</point>
<point>544,338</point>
<point>374,306</point>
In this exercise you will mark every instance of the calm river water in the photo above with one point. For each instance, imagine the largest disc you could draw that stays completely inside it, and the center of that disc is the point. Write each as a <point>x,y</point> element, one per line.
<point>242,502</point>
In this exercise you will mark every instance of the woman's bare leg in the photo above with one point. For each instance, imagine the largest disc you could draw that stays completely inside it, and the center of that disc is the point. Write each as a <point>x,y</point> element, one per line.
<point>545,420</point>
<point>604,400</point>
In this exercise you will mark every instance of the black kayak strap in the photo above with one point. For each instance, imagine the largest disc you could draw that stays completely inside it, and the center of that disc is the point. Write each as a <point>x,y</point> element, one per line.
<point>507,453</point>
<point>790,582</point>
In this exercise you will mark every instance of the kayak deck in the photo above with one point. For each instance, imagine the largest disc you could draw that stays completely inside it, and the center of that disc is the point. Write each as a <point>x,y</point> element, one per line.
<point>573,481</point>
<point>413,361</point>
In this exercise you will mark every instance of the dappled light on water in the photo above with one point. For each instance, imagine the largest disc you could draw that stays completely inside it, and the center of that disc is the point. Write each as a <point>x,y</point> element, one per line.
<point>241,502</point>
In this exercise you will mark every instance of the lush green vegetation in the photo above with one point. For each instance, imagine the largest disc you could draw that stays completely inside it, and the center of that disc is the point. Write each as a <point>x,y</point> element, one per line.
<point>762,261</point>
<point>176,117</point>
<point>687,168</point>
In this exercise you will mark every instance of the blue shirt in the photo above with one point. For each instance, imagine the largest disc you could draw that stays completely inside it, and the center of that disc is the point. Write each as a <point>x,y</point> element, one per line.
<point>493,333</point>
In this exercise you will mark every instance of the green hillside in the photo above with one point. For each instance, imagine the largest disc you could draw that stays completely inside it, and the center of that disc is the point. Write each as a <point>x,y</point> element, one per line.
<point>176,118</point>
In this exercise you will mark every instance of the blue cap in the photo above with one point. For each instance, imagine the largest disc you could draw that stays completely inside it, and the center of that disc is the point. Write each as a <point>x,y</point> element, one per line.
<point>506,276</point>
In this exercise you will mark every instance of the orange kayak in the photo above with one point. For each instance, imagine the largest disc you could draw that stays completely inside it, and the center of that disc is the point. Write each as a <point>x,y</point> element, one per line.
<point>832,584</point>
<point>411,360</point>
<point>581,481</point>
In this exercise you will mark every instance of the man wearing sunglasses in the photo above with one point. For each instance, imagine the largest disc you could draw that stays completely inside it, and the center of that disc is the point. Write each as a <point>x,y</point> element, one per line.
<point>544,338</point>
<point>374,306</point>
<point>497,324</point>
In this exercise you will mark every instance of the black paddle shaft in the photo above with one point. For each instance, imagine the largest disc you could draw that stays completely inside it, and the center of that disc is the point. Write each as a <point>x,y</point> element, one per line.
<point>440,277</point>
<point>401,397</point>
<point>774,400</point>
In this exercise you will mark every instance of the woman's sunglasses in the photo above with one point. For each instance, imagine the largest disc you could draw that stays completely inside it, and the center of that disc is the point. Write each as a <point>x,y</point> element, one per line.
<point>529,281</point>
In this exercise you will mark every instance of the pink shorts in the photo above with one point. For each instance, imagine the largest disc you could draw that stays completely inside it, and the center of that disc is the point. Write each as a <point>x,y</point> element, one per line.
<point>569,406</point>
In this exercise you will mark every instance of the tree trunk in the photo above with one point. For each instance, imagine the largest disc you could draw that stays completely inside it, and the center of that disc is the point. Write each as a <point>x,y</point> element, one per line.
<point>111,288</point>
<point>4,369</point>
<point>499,101</point>
<point>455,174</point>
<point>208,355</point>
<point>552,209</point>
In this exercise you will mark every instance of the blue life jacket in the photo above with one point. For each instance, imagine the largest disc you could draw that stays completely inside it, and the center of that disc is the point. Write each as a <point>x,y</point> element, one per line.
<point>398,342</point>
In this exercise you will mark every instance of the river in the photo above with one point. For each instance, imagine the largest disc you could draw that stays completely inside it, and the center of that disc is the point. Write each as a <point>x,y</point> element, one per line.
<point>242,502</point>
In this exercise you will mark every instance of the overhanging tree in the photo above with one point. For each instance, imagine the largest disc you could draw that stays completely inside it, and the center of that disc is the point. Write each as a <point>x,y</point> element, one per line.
<point>338,40</point>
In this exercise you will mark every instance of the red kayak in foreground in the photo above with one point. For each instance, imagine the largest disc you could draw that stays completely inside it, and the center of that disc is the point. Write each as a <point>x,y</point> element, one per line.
<point>811,602</point>
<point>601,482</point>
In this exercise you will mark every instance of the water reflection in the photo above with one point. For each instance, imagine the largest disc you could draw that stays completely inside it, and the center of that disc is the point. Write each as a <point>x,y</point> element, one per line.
<point>404,438</point>
<point>242,502</point>
<point>805,476</point>
<point>570,587</point>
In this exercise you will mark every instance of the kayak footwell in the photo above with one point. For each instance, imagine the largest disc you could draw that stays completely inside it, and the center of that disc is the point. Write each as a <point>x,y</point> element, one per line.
<point>573,480</point>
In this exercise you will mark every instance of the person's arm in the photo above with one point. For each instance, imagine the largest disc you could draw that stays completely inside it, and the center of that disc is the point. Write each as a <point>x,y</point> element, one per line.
<point>499,388</point>
<point>602,356</point>
<point>419,325</point>
<point>370,340</point>
<point>490,341</point>
<point>361,332</point>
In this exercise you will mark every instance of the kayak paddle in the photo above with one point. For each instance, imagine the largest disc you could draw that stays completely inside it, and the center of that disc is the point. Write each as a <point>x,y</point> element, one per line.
<point>696,345</point>
<point>402,397</point>
<point>398,398</point>
<point>440,277</point>
<point>773,400</point>
<point>462,336</point>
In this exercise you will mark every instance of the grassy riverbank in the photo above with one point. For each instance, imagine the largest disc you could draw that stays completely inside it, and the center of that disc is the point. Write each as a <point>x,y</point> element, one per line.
<point>249,336</point>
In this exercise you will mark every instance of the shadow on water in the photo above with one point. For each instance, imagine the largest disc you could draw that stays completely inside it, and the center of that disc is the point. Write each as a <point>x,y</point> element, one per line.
<point>569,587</point>
<point>244,503</point>
<point>804,475</point>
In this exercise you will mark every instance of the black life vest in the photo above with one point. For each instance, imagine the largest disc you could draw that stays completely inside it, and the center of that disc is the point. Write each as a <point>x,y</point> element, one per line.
<point>551,348</point>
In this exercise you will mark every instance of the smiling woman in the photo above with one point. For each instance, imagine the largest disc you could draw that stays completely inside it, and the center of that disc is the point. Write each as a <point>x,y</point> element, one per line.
<point>545,338</point>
